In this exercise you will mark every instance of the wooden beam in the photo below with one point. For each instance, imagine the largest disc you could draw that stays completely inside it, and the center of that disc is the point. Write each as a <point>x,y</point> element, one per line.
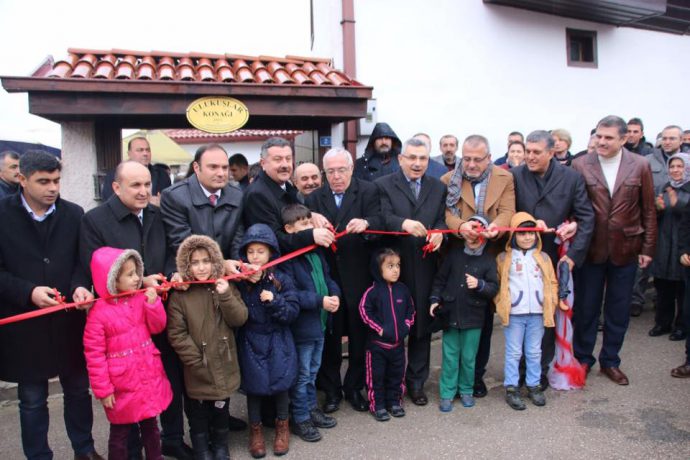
<point>57,106</point>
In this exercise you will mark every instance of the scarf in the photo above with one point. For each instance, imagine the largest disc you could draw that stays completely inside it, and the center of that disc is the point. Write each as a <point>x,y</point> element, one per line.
<point>686,170</point>
<point>319,283</point>
<point>455,189</point>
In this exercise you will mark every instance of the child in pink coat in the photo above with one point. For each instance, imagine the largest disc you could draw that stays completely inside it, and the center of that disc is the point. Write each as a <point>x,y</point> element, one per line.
<point>124,365</point>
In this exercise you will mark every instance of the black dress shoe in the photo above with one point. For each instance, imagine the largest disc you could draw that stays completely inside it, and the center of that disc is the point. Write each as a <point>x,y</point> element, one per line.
<point>178,450</point>
<point>635,309</point>
<point>677,335</point>
<point>418,397</point>
<point>480,389</point>
<point>657,330</point>
<point>331,405</point>
<point>357,401</point>
<point>235,424</point>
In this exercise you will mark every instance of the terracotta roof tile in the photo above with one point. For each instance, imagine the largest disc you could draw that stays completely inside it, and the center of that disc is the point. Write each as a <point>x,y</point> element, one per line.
<point>195,136</point>
<point>119,64</point>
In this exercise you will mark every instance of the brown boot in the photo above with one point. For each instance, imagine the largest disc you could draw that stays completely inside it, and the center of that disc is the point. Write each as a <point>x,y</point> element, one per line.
<point>257,445</point>
<point>281,444</point>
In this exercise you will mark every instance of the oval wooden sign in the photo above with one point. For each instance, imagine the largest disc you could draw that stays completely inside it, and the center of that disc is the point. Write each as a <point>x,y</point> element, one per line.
<point>217,114</point>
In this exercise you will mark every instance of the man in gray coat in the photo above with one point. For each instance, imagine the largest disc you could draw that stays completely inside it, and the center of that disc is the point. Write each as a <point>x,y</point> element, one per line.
<point>206,204</point>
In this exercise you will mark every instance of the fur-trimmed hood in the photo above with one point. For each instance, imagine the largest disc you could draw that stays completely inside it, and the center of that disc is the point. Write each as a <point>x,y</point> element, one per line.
<point>191,244</point>
<point>106,263</point>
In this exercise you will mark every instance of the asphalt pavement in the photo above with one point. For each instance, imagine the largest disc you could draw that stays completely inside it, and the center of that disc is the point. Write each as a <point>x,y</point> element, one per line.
<point>648,419</point>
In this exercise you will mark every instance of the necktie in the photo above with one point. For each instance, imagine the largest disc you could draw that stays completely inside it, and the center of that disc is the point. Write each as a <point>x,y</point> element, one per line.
<point>338,199</point>
<point>141,219</point>
<point>414,189</point>
<point>213,199</point>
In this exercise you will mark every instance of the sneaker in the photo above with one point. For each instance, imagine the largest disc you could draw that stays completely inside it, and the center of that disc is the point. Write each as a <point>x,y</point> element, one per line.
<point>396,411</point>
<point>321,420</point>
<point>467,400</point>
<point>306,431</point>
<point>446,405</point>
<point>513,398</point>
<point>536,395</point>
<point>381,415</point>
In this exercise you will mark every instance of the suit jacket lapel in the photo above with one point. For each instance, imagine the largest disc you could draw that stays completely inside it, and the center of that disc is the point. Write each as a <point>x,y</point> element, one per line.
<point>597,172</point>
<point>328,202</point>
<point>149,216</point>
<point>553,181</point>
<point>493,192</point>
<point>424,190</point>
<point>402,184</point>
<point>624,170</point>
<point>348,200</point>
<point>467,195</point>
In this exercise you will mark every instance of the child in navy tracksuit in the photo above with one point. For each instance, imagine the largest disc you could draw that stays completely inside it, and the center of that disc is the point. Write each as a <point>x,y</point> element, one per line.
<point>318,297</point>
<point>388,311</point>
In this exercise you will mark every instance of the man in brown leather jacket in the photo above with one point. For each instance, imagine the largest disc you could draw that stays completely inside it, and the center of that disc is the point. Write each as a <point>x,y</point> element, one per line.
<point>619,184</point>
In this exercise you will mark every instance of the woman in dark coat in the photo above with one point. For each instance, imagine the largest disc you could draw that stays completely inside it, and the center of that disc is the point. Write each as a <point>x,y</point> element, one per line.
<point>666,268</point>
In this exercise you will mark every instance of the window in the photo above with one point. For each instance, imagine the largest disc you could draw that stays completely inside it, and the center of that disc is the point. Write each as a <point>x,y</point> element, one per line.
<point>581,47</point>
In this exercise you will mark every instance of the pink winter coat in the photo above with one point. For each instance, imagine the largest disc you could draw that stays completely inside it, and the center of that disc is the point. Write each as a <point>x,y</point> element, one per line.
<point>120,356</point>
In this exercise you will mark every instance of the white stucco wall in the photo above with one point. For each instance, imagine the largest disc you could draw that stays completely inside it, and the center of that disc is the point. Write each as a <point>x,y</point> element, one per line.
<point>78,163</point>
<point>468,67</point>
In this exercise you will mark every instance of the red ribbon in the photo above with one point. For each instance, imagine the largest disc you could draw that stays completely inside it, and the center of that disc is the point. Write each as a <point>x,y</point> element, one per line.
<point>166,285</point>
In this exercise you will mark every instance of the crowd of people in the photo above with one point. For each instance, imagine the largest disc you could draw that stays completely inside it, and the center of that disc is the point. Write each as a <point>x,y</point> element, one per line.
<point>404,245</point>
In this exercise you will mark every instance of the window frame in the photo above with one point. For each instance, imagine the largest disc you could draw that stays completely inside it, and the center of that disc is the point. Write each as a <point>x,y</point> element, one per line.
<point>571,34</point>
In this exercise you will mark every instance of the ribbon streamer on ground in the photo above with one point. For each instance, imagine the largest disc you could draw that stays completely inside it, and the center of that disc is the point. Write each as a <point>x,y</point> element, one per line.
<point>565,372</point>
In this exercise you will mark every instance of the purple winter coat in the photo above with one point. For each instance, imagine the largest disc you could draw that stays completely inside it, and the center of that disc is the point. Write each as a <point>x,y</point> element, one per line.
<point>120,356</point>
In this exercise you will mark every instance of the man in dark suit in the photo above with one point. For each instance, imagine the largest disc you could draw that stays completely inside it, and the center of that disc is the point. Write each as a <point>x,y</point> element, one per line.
<point>620,186</point>
<point>128,221</point>
<point>39,252</point>
<point>139,150</point>
<point>348,204</point>
<point>413,202</point>
<point>553,193</point>
<point>271,191</point>
<point>206,204</point>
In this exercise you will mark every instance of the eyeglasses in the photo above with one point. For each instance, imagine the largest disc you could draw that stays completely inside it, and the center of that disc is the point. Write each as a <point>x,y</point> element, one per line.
<point>414,158</point>
<point>339,171</point>
<point>468,160</point>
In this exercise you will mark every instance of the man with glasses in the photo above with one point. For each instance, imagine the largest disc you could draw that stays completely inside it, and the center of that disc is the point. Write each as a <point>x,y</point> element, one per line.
<point>479,187</point>
<point>349,204</point>
<point>412,201</point>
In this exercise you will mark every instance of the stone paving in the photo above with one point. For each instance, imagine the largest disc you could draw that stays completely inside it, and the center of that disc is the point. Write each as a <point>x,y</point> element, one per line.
<point>647,420</point>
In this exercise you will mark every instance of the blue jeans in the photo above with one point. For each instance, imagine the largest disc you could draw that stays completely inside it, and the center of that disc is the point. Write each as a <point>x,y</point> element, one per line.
<point>34,417</point>
<point>527,331</point>
<point>590,281</point>
<point>303,392</point>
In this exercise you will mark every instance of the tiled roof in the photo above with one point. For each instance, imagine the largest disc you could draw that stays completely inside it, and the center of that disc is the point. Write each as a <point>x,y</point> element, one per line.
<point>126,65</point>
<point>194,136</point>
